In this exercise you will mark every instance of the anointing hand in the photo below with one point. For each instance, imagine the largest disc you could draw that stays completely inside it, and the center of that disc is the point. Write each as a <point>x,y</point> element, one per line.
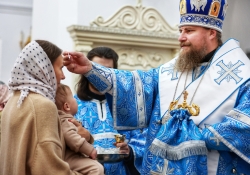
<point>76,62</point>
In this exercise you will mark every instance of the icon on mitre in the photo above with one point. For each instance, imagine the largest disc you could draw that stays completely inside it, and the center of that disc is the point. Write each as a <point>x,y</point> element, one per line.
<point>215,8</point>
<point>183,7</point>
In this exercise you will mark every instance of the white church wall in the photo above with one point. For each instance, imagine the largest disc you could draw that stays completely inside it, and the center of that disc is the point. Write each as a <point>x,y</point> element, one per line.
<point>91,10</point>
<point>52,24</point>
<point>17,2</point>
<point>15,17</point>
<point>237,23</point>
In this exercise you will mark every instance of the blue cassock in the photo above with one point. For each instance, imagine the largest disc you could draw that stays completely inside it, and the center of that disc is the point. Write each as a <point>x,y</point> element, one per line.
<point>176,146</point>
<point>96,118</point>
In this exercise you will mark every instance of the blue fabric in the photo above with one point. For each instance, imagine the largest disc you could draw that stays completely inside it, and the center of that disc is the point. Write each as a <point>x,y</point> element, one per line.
<point>88,115</point>
<point>188,160</point>
<point>127,110</point>
<point>126,98</point>
<point>207,13</point>
<point>237,133</point>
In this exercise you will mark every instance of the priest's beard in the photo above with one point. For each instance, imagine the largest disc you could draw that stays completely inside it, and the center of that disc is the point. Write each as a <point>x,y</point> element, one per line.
<point>192,58</point>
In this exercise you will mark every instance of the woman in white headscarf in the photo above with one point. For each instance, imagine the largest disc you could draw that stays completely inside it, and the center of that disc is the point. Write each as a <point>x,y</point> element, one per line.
<point>32,141</point>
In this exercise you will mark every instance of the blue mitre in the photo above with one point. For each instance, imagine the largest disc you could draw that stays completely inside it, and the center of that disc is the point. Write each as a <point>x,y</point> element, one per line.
<point>205,13</point>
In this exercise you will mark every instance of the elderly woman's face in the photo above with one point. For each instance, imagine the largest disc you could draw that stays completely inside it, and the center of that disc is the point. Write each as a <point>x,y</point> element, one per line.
<point>58,65</point>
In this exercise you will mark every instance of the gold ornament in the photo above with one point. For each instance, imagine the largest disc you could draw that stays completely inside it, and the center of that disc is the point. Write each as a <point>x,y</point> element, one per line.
<point>194,110</point>
<point>120,138</point>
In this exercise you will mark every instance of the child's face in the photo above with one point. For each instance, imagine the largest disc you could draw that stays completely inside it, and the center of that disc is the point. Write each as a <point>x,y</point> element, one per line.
<point>72,102</point>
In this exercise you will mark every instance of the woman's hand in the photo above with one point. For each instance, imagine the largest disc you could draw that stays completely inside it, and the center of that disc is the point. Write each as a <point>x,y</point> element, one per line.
<point>81,130</point>
<point>76,62</point>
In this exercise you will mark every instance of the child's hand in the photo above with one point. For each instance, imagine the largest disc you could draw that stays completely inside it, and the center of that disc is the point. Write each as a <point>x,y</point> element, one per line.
<point>93,154</point>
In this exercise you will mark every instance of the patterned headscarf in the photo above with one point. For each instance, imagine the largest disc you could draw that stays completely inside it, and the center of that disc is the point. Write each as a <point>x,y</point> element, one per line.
<point>4,95</point>
<point>33,72</point>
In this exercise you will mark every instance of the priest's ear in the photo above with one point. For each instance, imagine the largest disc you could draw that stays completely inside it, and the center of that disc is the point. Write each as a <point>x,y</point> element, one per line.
<point>66,107</point>
<point>212,33</point>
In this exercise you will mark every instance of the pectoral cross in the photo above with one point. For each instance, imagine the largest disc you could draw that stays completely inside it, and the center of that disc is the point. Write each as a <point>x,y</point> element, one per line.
<point>184,105</point>
<point>185,93</point>
<point>194,110</point>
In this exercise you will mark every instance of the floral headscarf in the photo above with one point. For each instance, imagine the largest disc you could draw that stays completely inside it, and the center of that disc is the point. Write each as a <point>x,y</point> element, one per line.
<point>33,72</point>
<point>4,95</point>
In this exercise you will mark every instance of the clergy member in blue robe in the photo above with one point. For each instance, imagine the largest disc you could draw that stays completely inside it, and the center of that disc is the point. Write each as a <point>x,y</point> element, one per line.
<point>94,114</point>
<point>97,119</point>
<point>196,106</point>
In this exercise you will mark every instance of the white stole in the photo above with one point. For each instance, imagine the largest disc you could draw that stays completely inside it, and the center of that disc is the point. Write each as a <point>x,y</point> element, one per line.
<point>217,92</point>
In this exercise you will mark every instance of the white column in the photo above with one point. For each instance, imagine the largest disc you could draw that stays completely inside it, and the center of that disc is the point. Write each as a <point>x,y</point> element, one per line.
<point>15,17</point>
